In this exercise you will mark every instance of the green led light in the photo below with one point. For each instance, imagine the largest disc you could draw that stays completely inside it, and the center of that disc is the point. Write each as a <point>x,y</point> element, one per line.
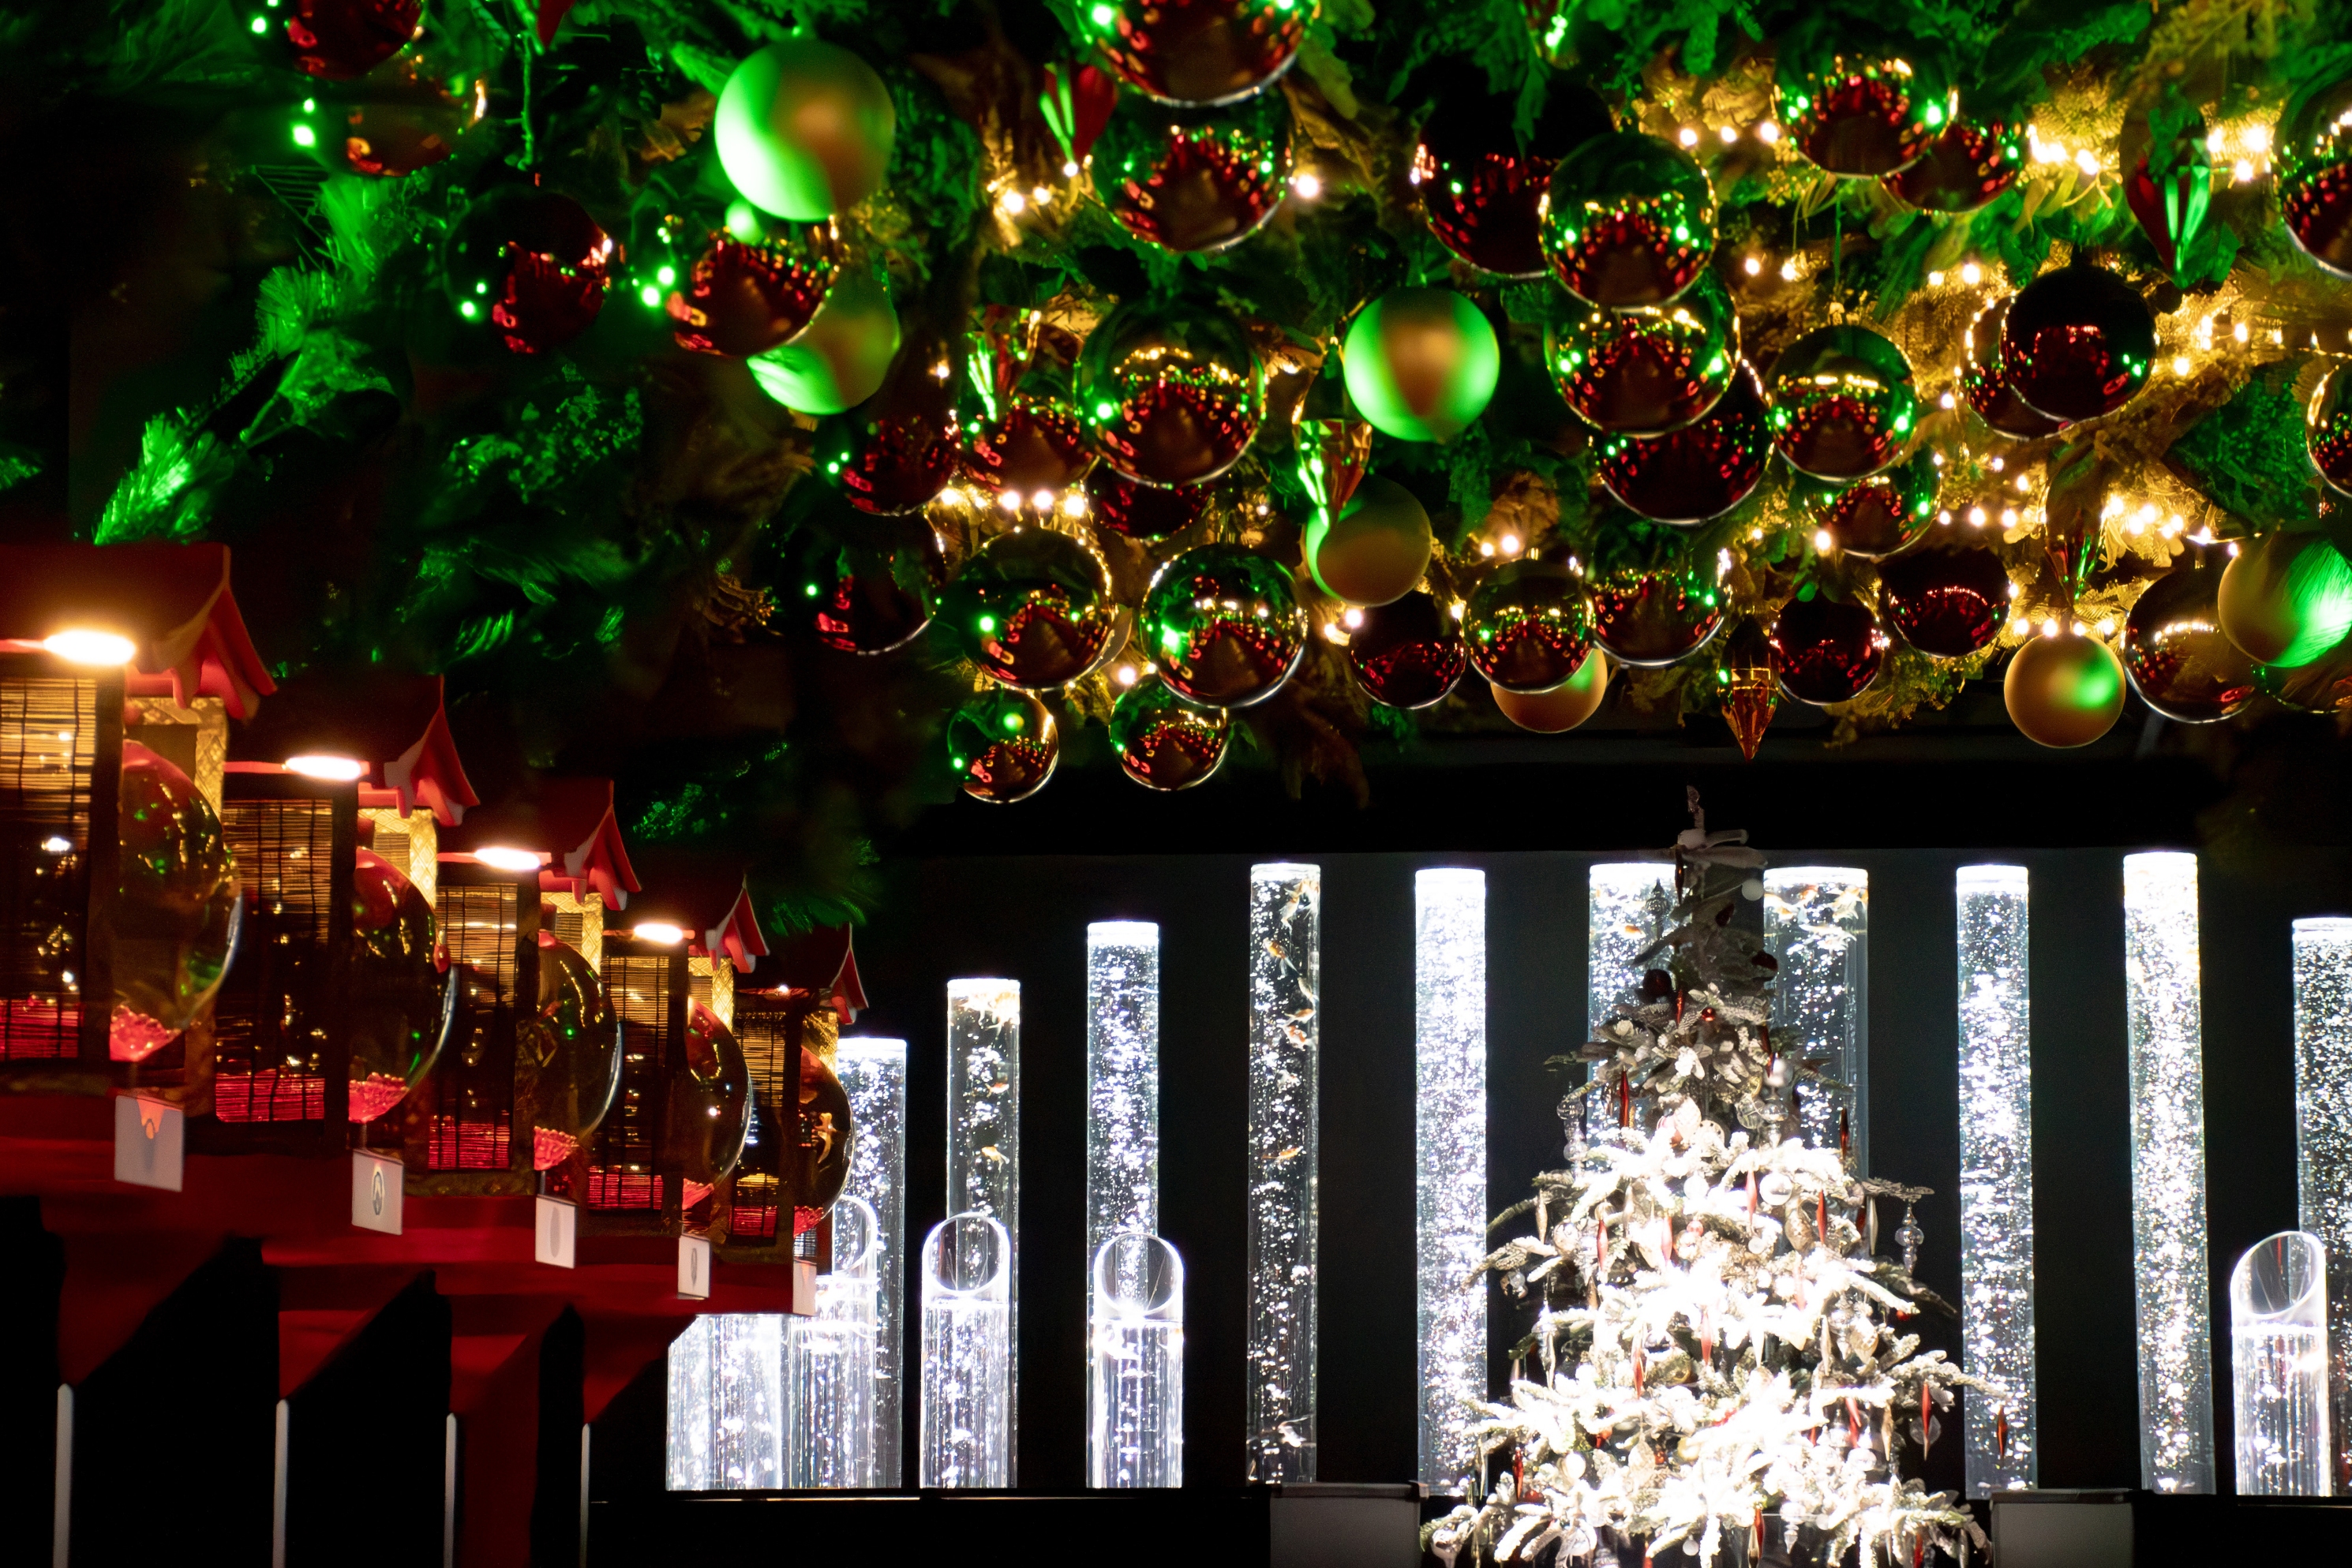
<point>261,24</point>
<point>665,276</point>
<point>743,221</point>
<point>1106,17</point>
<point>309,105</point>
<point>466,309</point>
<point>1105,409</point>
<point>305,136</point>
<point>481,287</point>
<point>1934,115</point>
<point>650,295</point>
<point>1014,721</point>
<point>987,625</point>
<point>813,590</point>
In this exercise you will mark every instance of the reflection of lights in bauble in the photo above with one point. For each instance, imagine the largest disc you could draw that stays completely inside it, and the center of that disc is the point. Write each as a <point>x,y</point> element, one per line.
<point>1629,219</point>
<point>2327,430</point>
<point>1564,706</point>
<point>1421,363</point>
<point>1193,179</point>
<point>1702,470</point>
<point>2312,154</point>
<point>898,450</point>
<point>2064,690</point>
<point>1164,743</point>
<point>1222,626</point>
<point>530,264</point>
<point>1652,603</point>
<point>398,1005</point>
<point>1408,654</point>
<point>1874,517</point>
<point>867,584</point>
<point>1037,443</point>
<point>1962,169</point>
<point>1865,114</point>
<point>177,908</point>
<point>2179,662</point>
<point>1002,746</point>
<point>2286,599</point>
<point>1650,368</point>
<point>1032,609</point>
<point>1482,190</point>
<point>803,129</point>
<point>335,40</point>
<point>1375,550</point>
<point>1527,626</point>
<point>1170,394</point>
<point>1827,649</point>
<point>1843,402</point>
<point>1986,384</point>
<point>742,299</point>
<point>1117,504</point>
<point>2078,344</point>
<point>1946,602</point>
<point>1199,51</point>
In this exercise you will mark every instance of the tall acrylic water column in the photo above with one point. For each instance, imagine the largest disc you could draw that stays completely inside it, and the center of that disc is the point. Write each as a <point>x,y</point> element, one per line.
<point>828,1379</point>
<point>1135,1285</point>
<point>971,1264</point>
<point>1995,1011</point>
<point>1450,1177</point>
<point>2165,1025</point>
<point>1817,923</point>
<point>874,1074</point>
<point>2322,1147</point>
<point>2278,1353</point>
<point>1285,938</point>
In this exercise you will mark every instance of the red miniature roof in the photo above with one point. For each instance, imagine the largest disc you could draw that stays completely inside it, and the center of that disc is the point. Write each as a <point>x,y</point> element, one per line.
<point>819,963</point>
<point>171,600</point>
<point>570,819</point>
<point>394,723</point>
<point>708,898</point>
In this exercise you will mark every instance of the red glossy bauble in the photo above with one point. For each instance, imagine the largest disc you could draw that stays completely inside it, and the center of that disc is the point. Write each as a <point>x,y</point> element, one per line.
<point>2179,662</point>
<point>1037,446</point>
<point>870,584</point>
<point>1702,470</point>
<point>1408,654</point>
<point>530,263</point>
<point>1002,746</point>
<point>1199,51</point>
<point>1962,170</point>
<point>1843,403</point>
<point>336,40</point>
<point>1651,369</point>
<point>1223,626</point>
<point>1164,743</point>
<point>1986,384</point>
<point>2327,429</point>
<point>406,114</point>
<point>1528,627</point>
<point>1652,603</point>
<point>744,300</point>
<point>1032,609</point>
<point>1827,649</point>
<point>1118,505</point>
<point>2311,155</point>
<point>1867,113</point>
<point>1887,512</point>
<point>2078,344</point>
<point>899,448</point>
<point>1482,189</point>
<point>1193,179</point>
<point>1629,219</point>
<point>1949,603</point>
<point>1171,393</point>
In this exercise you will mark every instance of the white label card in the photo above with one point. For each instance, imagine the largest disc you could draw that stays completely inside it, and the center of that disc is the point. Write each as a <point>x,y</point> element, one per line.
<point>557,1233</point>
<point>694,1268</point>
<point>149,1136</point>
<point>377,1185</point>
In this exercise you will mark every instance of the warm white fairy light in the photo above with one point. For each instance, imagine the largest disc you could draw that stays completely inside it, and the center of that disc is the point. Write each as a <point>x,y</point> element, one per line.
<point>1449,1180</point>
<point>874,1075</point>
<point>727,1404</point>
<point>984,1160</point>
<point>1817,924</point>
<point>1285,940</point>
<point>2323,1142</point>
<point>2168,1091</point>
<point>1997,1176</point>
<point>1122,1081</point>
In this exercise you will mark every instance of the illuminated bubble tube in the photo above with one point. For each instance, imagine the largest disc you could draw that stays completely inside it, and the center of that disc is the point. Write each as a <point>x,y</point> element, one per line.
<point>727,1404</point>
<point>2167,1111</point>
<point>1450,1177</point>
<point>1817,924</point>
<point>1285,935</point>
<point>874,1075</point>
<point>829,1364</point>
<point>1626,906</point>
<point>984,1163</point>
<point>1135,1430</point>
<point>1997,1176</point>
<point>1122,1157</point>
<point>2278,1356</point>
<point>2322,1144</point>
<point>967,1417</point>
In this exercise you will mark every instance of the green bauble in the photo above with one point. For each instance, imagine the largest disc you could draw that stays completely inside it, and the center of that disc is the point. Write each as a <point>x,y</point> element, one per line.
<point>2286,599</point>
<point>840,359</point>
<point>176,916</point>
<point>1222,626</point>
<point>1843,403</point>
<point>1629,221</point>
<point>1376,551</point>
<point>1032,609</point>
<point>805,129</point>
<point>1165,743</point>
<point>1002,746</point>
<point>1421,363</point>
<point>399,1004</point>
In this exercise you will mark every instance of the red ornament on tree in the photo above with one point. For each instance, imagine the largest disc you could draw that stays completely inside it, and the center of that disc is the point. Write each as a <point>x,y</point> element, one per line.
<point>870,584</point>
<point>1828,650</point>
<point>1122,506</point>
<point>1702,470</point>
<point>1408,654</point>
<point>1200,51</point>
<point>2078,344</point>
<point>1528,627</point>
<point>899,448</point>
<point>1874,517</point>
<point>744,299</point>
<point>1949,603</point>
<point>1195,179</point>
<point>1482,190</point>
<point>2180,660</point>
<point>1962,170</point>
<point>339,39</point>
<point>1651,369</point>
<point>1652,603</point>
<point>1986,384</point>
<point>530,263</point>
<point>1027,438</point>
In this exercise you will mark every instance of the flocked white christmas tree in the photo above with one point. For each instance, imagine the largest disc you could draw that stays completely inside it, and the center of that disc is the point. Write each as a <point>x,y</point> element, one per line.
<point>1720,1364</point>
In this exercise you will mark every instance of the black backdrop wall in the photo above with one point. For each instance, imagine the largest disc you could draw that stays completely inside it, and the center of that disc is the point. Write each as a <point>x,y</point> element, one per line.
<point>1024,916</point>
